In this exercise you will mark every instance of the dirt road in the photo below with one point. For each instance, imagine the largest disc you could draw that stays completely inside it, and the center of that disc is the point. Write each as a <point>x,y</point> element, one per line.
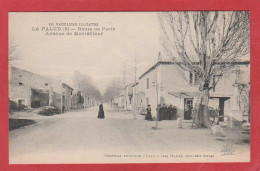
<point>79,137</point>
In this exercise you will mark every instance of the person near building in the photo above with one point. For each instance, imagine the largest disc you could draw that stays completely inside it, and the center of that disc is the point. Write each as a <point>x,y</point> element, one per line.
<point>159,112</point>
<point>148,113</point>
<point>164,112</point>
<point>172,112</point>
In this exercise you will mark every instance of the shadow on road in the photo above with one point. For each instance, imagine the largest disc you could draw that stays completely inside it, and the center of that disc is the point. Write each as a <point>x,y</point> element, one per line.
<point>18,123</point>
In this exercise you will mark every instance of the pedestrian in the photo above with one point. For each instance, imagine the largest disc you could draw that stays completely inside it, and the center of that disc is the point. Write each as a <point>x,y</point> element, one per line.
<point>148,113</point>
<point>169,112</point>
<point>164,112</point>
<point>172,112</point>
<point>101,113</point>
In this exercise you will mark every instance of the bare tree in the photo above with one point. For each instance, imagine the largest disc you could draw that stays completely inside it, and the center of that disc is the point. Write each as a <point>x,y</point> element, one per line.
<point>12,51</point>
<point>84,84</point>
<point>112,90</point>
<point>206,43</point>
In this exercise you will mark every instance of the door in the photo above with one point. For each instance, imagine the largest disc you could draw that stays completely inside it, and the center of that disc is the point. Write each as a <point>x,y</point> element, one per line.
<point>221,109</point>
<point>188,105</point>
<point>21,104</point>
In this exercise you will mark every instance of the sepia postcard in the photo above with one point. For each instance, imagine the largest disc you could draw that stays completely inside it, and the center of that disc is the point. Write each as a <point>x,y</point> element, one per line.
<point>129,87</point>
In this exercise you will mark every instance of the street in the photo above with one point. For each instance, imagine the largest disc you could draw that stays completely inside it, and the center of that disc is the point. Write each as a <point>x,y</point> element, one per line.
<point>79,137</point>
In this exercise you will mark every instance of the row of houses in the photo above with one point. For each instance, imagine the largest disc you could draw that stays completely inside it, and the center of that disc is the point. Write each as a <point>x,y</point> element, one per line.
<point>166,83</point>
<point>31,90</point>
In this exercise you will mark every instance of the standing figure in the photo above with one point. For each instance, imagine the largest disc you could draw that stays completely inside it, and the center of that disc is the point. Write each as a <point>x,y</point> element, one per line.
<point>101,113</point>
<point>164,112</point>
<point>149,113</point>
<point>167,113</point>
<point>172,111</point>
<point>170,114</point>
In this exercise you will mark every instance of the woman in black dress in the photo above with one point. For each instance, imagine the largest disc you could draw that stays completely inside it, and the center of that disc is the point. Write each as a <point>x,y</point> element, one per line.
<point>149,113</point>
<point>101,114</point>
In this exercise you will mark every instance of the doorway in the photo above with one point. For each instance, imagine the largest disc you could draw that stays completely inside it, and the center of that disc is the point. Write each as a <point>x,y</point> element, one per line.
<point>222,108</point>
<point>21,104</point>
<point>188,105</point>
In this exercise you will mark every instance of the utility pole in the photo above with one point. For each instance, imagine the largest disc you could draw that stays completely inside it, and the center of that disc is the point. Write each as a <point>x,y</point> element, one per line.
<point>135,99</point>
<point>156,85</point>
<point>133,67</point>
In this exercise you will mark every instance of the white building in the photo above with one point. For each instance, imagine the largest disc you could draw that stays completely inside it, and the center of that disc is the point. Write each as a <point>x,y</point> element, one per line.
<point>165,82</point>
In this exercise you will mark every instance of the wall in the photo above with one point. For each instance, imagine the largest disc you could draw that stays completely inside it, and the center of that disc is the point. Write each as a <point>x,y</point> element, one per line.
<point>17,92</point>
<point>149,93</point>
<point>68,98</point>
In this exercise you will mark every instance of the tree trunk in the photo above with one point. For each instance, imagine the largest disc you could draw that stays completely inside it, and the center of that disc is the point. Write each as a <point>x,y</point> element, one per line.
<point>202,114</point>
<point>205,103</point>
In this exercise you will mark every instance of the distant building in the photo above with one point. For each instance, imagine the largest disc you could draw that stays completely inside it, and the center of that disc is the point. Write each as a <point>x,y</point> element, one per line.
<point>125,99</point>
<point>67,96</point>
<point>27,89</point>
<point>78,100</point>
<point>89,101</point>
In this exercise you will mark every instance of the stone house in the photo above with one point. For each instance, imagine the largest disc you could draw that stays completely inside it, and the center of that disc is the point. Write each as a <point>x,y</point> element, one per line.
<point>27,89</point>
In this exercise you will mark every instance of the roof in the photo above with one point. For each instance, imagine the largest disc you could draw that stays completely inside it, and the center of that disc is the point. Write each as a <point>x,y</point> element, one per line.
<point>135,84</point>
<point>66,85</point>
<point>173,63</point>
<point>155,66</point>
<point>129,85</point>
<point>19,69</point>
<point>38,90</point>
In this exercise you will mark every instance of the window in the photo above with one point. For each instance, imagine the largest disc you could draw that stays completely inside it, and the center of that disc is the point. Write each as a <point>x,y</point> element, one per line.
<point>147,83</point>
<point>162,100</point>
<point>46,84</point>
<point>20,84</point>
<point>191,77</point>
<point>70,92</point>
<point>196,79</point>
<point>20,75</point>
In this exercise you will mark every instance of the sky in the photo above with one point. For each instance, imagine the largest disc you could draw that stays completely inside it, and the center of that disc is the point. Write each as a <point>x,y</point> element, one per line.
<point>136,35</point>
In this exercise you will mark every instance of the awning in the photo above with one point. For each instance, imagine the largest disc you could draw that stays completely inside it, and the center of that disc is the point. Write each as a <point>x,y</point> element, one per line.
<point>220,94</point>
<point>195,94</point>
<point>184,94</point>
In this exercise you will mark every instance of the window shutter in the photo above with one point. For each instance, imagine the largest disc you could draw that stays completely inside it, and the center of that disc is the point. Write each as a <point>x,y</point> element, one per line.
<point>187,77</point>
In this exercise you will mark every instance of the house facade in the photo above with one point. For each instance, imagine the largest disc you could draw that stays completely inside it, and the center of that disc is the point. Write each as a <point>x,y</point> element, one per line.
<point>27,89</point>
<point>166,83</point>
<point>67,96</point>
<point>124,101</point>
